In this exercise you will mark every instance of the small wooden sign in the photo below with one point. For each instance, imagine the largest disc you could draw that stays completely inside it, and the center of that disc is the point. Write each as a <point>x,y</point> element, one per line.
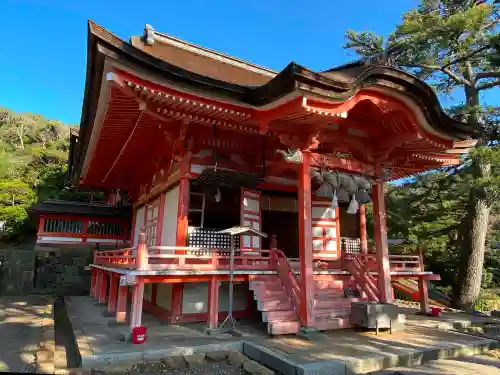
<point>127,280</point>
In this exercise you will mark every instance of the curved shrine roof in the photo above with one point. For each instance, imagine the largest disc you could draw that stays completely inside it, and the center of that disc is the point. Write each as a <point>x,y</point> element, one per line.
<point>170,62</point>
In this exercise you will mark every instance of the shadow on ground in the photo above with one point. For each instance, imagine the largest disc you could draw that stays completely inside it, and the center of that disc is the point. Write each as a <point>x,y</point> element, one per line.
<point>22,323</point>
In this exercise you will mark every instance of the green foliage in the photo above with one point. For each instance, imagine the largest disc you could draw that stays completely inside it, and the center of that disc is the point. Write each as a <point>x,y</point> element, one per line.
<point>33,162</point>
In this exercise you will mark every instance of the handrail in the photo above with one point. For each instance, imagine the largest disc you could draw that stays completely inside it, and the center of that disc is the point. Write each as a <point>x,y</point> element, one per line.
<point>362,277</point>
<point>168,257</point>
<point>288,279</point>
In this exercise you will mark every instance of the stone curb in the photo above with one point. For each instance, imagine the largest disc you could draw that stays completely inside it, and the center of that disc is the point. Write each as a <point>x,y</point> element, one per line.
<point>191,360</point>
<point>98,361</point>
<point>45,354</point>
<point>404,360</point>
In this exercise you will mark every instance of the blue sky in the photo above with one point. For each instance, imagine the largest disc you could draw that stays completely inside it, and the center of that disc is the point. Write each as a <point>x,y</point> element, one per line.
<point>43,58</point>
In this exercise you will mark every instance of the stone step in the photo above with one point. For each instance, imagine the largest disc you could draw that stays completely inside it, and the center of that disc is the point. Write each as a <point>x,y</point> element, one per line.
<point>331,313</point>
<point>274,305</point>
<point>328,324</point>
<point>329,284</point>
<point>328,293</point>
<point>265,278</point>
<point>277,316</point>
<point>263,295</point>
<point>333,303</point>
<point>273,285</point>
<point>283,327</point>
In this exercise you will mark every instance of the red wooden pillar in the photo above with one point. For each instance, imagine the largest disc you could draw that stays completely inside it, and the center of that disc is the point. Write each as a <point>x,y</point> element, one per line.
<point>121,304</point>
<point>113,290</point>
<point>137,299</point>
<point>213,303</point>
<point>97,290</point>
<point>305,242</point>
<point>181,240</point>
<point>423,294</point>
<point>132,230</point>
<point>103,288</point>
<point>363,238</point>
<point>41,225</point>
<point>93,281</point>
<point>380,234</point>
<point>154,293</point>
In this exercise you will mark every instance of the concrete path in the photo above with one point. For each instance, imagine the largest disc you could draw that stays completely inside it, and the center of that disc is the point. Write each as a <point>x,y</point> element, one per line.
<point>477,365</point>
<point>22,325</point>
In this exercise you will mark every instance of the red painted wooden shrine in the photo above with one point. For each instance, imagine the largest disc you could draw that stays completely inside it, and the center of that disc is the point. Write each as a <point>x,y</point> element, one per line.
<point>199,140</point>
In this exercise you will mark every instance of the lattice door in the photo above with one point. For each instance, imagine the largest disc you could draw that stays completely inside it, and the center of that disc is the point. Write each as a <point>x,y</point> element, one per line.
<point>251,216</point>
<point>325,229</point>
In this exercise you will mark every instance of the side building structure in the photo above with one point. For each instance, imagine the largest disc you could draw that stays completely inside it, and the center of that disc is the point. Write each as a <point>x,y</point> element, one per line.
<point>201,141</point>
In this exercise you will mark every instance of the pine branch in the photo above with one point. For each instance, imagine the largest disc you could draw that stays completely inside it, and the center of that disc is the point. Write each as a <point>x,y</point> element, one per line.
<point>488,85</point>
<point>443,69</point>
<point>487,75</point>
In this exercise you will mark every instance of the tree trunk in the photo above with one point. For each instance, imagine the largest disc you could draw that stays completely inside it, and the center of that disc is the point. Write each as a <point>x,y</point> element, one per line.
<point>475,225</point>
<point>472,248</point>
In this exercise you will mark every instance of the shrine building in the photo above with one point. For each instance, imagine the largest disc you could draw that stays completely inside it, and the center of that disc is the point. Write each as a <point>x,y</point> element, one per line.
<point>198,142</point>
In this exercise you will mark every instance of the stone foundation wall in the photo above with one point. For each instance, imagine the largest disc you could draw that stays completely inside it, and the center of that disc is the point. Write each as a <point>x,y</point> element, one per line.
<point>62,271</point>
<point>16,271</point>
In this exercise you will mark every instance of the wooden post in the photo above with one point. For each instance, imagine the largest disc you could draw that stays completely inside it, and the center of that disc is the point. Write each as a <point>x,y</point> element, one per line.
<point>423,294</point>
<point>132,231</point>
<point>305,242</point>
<point>113,290</point>
<point>154,293</point>
<point>380,234</point>
<point>103,289</point>
<point>142,252</point>
<point>41,225</point>
<point>181,238</point>
<point>159,221</point>
<point>363,238</point>
<point>213,303</point>
<point>93,281</point>
<point>137,298</point>
<point>97,284</point>
<point>121,304</point>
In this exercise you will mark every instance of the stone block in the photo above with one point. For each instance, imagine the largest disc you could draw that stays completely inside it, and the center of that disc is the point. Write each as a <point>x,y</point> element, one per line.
<point>251,366</point>
<point>194,360</point>
<point>236,358</point>
<point>175,362</point>
<point>217,356</point>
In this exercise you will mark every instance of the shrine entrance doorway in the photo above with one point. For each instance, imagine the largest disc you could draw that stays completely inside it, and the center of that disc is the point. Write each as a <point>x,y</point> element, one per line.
<point>280,218</point>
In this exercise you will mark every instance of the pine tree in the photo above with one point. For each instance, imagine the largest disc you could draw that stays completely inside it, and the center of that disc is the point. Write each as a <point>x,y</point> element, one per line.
<point>448,43</point>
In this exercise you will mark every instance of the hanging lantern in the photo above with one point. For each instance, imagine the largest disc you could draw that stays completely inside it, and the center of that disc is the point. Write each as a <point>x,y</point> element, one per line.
<point>353,206</point>
<point>363,197</point>
<point>342,195</point>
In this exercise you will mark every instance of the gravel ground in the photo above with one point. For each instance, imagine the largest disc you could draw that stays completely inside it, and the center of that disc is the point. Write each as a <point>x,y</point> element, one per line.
<point>160,368</point>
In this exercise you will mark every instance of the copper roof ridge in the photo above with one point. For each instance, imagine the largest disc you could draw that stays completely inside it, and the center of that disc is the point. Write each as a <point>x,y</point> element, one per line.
<point>193,47</point>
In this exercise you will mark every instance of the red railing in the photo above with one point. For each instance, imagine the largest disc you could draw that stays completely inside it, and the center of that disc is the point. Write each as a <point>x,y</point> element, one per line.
<point>84,229</point>
<point>359,270</point>
<point>124,258</point>
<point>185,258</point>
<point>288,279</point>
<point>199,258</point>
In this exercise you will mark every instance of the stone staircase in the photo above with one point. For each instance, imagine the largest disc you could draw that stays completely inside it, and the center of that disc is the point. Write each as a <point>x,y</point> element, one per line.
<point>331,307</point>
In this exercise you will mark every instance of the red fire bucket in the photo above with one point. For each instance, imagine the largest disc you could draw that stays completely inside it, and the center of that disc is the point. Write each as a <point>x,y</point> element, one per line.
<point>435,311</point>
<point>138,335</point>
